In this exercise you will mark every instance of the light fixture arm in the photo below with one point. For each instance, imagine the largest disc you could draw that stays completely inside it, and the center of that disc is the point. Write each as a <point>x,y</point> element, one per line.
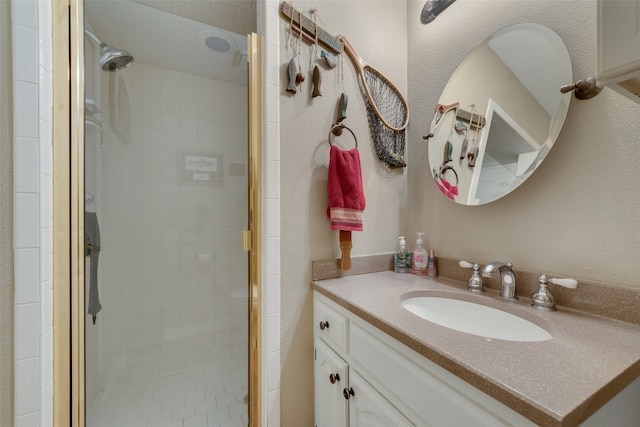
<point>433,8</point>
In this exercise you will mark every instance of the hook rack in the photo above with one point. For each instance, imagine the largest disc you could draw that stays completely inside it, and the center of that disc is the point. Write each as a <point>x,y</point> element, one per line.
<point>476,120</point>
<point>301,33</point>
<point>466,116</point>
<point>310,29</point>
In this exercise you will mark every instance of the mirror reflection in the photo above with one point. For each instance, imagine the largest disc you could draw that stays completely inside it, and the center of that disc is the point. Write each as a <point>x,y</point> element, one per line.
<point>499,114</point>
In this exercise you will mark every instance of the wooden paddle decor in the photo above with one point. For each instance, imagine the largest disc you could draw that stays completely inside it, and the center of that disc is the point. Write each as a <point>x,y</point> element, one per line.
<point>345,247</point>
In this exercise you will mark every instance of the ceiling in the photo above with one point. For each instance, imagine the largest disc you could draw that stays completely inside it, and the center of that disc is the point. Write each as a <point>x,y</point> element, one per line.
<point>165,39</point>
<point>237,16</point>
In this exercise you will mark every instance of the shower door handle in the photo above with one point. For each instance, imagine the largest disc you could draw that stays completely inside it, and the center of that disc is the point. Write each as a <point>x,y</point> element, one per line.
<point>246,240</point>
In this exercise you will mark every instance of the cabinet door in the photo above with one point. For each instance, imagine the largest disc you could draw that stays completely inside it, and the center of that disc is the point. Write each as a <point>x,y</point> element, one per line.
<point>367,408</point>
<point>330,373</point>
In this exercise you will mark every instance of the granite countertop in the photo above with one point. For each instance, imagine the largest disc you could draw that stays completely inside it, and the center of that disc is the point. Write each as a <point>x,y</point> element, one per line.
<point>558,382</point>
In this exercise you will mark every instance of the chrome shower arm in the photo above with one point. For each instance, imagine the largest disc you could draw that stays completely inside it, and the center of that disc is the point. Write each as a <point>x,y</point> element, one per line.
<point>94,38</point>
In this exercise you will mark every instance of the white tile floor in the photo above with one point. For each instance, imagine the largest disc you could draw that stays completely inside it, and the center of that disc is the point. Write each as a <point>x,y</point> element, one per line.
<point>210,395</point>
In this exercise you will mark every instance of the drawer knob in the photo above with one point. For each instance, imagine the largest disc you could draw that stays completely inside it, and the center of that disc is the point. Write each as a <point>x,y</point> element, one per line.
<point>334,377</point>
<point>347,393</point>
<point>324,325</point>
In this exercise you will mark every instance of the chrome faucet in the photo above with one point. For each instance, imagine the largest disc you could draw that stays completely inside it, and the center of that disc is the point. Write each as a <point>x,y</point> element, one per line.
<point>508,279</point>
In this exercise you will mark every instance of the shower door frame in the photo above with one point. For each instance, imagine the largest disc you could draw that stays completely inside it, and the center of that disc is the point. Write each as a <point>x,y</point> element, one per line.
<point>68,219</point>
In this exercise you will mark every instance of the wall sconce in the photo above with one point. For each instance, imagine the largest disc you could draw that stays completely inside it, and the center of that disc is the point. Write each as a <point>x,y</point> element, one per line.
<point>433,8</point>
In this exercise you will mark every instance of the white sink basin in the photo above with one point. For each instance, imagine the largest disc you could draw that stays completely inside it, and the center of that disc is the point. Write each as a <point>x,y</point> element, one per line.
<point>475,319</point>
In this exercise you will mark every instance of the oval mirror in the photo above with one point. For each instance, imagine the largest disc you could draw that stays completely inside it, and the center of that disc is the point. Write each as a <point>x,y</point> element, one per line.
<point>499,114</point>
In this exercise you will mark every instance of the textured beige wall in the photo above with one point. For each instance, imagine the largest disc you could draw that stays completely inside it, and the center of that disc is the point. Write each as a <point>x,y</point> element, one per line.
<point>579,214</point>
<point>377,29</point>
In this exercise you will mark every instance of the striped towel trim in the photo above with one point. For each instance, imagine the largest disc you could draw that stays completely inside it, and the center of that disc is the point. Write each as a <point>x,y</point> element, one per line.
<point>345,219</point>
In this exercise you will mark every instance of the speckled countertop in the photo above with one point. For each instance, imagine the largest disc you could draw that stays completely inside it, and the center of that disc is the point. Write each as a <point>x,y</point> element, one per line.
<point>559,382</point>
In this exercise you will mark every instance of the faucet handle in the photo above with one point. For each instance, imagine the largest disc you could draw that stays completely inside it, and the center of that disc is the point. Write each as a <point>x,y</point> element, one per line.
<point>567,283</point>
<point>542,298</point>
<point>475,281</point>
<point>466,264</point>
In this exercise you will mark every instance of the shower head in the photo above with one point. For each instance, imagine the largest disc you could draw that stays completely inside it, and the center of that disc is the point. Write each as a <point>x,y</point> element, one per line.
<point>112,59</point>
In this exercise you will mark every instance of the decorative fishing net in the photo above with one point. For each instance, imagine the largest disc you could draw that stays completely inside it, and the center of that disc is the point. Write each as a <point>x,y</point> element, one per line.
<point>390,144</point>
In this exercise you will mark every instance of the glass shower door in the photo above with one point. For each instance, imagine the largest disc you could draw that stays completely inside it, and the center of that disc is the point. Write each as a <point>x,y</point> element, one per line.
<point>166,199</point>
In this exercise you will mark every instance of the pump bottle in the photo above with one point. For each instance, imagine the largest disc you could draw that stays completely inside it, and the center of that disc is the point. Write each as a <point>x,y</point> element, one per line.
<point>419,257</point>
<point>402,257</point>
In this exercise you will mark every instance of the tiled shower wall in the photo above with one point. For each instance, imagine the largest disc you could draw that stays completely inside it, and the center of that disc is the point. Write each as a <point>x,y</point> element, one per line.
<point>33,366</point>
<point>173,275</point>
<point>33,389</point>
<point>268,25</point>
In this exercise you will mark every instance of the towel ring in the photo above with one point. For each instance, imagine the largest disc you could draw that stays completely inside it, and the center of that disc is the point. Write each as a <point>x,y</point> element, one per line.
<point>341,126</point>
<point>444,168</point>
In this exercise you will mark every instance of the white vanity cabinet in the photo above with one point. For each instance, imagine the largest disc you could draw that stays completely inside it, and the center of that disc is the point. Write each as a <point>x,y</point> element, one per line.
<point>388,384</point>
<point>414,372</point>
<point>619,46</point>
<point>342,396</point>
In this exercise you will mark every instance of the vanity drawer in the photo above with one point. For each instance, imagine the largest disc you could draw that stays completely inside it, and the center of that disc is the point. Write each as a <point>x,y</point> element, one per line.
<point>330,325</point>
<point>415,384</point>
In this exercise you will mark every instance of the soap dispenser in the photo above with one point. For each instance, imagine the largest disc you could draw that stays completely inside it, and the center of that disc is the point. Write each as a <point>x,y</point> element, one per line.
<point>419,257</point>
<point>402,257</point>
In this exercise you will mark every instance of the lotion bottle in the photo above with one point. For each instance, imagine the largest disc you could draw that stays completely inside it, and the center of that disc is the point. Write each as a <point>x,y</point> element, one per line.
<point>432,264</point>
<point>402,257</point>
<point>419,257</point>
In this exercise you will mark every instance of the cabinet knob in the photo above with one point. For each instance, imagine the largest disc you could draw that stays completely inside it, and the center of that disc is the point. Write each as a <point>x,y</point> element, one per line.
<point>348,392</point>
<point>324,325</point>
<point>334,377</point>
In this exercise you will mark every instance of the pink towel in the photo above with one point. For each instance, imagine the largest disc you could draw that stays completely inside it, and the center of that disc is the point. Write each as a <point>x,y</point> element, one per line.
<point>345,190</point>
